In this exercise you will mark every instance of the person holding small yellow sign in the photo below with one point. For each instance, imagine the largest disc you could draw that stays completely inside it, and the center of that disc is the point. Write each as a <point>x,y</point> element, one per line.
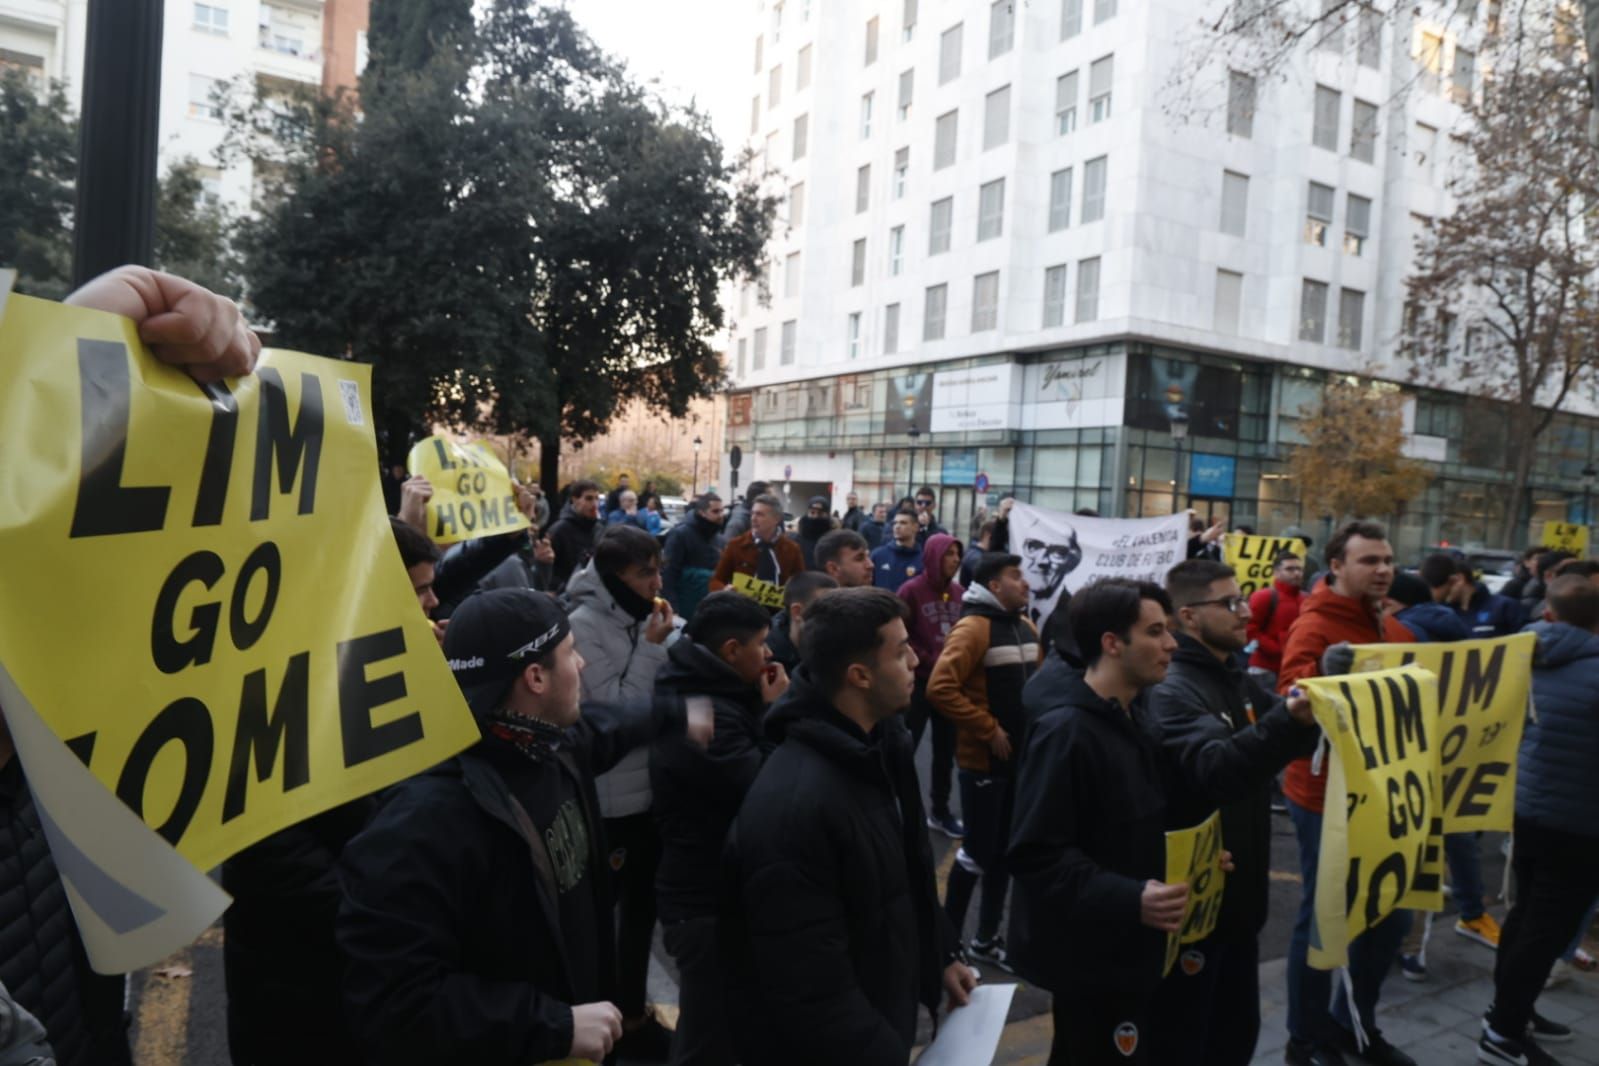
<point>760,562</point>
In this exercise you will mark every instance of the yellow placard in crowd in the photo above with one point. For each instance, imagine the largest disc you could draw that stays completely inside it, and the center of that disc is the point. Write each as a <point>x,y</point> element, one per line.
<point>1251,557</point>
<point>1381,831</point>
<point>1193,857</point>
<point>1568,536</point>
<point>204,598</point>
<point>762,592</point>
<point>1483,691</point>
<point>472,493</point>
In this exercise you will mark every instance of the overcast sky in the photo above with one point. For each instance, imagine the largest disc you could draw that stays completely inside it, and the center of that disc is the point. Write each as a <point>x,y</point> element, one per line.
<point>693,49</point>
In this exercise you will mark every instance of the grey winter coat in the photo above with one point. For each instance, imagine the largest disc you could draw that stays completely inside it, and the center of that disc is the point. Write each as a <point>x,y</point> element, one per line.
<point>619,668</point>
<point>1560,748</point>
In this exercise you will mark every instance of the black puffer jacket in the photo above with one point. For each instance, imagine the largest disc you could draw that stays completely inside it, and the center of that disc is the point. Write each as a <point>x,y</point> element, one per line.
<point>42,963</point>
<point>450,924</point>
<point>834,932</point>
<point>781,642</point>
<point>1088,831</point>
<point>698,792</point>
<point>573,537</point>
<point>279,956</point>
<point>1228,736</point>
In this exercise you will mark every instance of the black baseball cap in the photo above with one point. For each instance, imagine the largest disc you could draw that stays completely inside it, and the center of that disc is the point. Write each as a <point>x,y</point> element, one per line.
<point>494,635</point>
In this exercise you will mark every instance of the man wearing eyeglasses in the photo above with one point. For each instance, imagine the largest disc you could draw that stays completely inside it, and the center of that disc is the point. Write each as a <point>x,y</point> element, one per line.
<point>1230,736</point>
<point>926,516</point>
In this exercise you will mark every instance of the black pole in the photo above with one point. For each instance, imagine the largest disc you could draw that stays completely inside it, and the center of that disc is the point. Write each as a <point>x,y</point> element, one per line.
<point>115,219</point>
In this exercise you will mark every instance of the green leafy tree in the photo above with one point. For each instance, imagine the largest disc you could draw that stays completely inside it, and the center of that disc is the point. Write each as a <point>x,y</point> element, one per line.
<point>38,168</point>
<point>193,235</point>
<point>514,234</point>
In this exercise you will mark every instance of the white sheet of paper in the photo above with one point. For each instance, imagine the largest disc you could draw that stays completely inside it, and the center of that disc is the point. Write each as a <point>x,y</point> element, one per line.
<point>969,1035</point>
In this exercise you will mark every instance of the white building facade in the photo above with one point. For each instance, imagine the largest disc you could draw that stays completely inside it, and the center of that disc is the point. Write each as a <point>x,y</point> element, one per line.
<point>1019,237</point>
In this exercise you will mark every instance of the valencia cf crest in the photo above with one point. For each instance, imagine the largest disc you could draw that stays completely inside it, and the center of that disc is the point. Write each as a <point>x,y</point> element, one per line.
<point>618,859</point>
<point>1127,1039</point>
<point>1192,962</point>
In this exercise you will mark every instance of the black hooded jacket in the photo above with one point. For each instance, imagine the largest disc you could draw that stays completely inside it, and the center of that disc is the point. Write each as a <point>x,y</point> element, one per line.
<point>698,792</point>
<point>780,640</point>
<point>458,943</point>
<point>833,930</point>
<point>811,530</point>
<point>1228,736</point>
<point>572,536</point>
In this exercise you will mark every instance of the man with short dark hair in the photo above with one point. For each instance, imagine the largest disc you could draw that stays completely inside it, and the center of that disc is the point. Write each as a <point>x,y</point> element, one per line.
<point>834,931</point>
<point>723,660</point>
<point>784,639</point>
<point>926,514</point>
<point>765,556</point>
<point>621,627</point>
<point>1228,734</point>
<point>475,916</point>
<point>845,557</point>
<point>1557,825</point>
<point>1272,612</point>
<point>738,523</point>
<point>1488,614</point>
<point>691,554</point>
<point>853,515</point>
<point>1344,610</point>
<point>901,559</point>
<point>976,686</point>
<point>574,534</point>
<point>875,528</point>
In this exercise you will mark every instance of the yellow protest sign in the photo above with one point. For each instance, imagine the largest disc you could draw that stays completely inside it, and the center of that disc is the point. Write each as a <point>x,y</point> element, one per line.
<point>1483,691</point>
<point>1251,557</point>
<point>1381,832</point>
<point>762,592</point>
<point>1568,536</point>
<point>1193,857</point>
<point>204,599</point>
<point>472,494</point>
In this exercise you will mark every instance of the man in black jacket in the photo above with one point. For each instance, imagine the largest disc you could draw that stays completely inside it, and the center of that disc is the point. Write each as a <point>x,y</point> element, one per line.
<point>574,534</point>
<point>723,661</point>
<point>834,931</point>
<point>1090,912</point>
<point>691,554</point>
<point>475,918</point>
<point>784,638</point>
<point>1221,728</point>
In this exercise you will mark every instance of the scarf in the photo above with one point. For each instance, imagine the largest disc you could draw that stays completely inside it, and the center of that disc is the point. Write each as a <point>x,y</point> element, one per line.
<point>766,565</point>
<point>635,605</point>
<point>538,741</point>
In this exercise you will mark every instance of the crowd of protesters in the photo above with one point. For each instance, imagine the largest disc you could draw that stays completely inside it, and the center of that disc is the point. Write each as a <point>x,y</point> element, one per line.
<point>715,734</point>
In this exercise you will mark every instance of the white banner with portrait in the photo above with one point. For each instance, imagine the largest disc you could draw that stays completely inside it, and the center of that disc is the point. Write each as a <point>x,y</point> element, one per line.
<point>1064,552</point>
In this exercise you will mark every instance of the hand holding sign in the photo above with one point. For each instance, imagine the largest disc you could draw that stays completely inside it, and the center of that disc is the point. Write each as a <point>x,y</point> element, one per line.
<point>415,493</point>
<point>472,494</point>
<point>184,324</point>
<point>1161,906</point>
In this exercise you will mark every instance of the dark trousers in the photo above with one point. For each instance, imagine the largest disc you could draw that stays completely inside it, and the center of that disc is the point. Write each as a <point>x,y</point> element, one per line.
<point>1101,1026</point>
<point>635,853</point>
<point>1207,1010</point>
<point>703,1037</point>
<point>986,802</point>
<point>943,766</point>
<point>1557,877</point>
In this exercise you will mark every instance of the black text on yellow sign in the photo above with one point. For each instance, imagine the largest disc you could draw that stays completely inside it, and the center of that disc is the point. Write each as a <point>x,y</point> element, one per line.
<point>216,617</point>
<point>472,493</point>
<point>1193,857</point>
<point>1253,557</point>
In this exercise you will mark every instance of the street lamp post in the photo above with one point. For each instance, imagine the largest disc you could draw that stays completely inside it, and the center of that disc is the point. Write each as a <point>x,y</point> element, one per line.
<point>914,434</point>
<point>695,488</point>
<point>1179,433</point>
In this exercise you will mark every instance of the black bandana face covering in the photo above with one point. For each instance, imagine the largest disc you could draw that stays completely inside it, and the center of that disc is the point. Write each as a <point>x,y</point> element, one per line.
<point>535,739</point>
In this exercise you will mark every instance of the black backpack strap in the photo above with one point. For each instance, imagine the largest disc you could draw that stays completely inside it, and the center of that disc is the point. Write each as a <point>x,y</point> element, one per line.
<point>1271,610</point>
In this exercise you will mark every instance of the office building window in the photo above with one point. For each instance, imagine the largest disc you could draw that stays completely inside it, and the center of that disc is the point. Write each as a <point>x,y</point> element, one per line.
<point>1332,26</point>
<point>774,86</point>
<point>863,188</point>
<point>1363,132</point>
<point>1240,104</point>
<point>1094,189</point>
<point>934,305</point>
<point>1001,27</point>
<point>939,225</point>
<point>1368,45</point>
<point>796,205</point>
<point>743,355</point>
<point>866,115</point>
<point>1066,103</point>
<point>896,251</point>
<point>854,334</point>
<point>802,69</point>
<point>1088,290</point>
<point>1351,310</point>
<point>1465,73</point>
<point>1430,59</point>
<point>1100,76</point>
<point>871,41</point>
<point>777,21</point>
<point>908,22</point>
<point>1229,296</point>
<point>1357,224</point>
<point>945,129</point>
<point>1426,150</point>
<point>211,18</point>
<point>857,262</point>
<point>791,275</point>
<point>1234,203</point>
<point>1055,296</point>
<point>759,359</point>
<point>891,329</point>
<point>785,354</point>
<point>755,114</point>
<point>1318,214</point>
<point>1324,133</point>
<point>802,128</point>
<point>203,102</point>
<point>1313,311</point>
<point>1104,9</point>
<point>1060,199</point>
<point>996,118</point>
<point>907,89</point>
<point>902,169</point>
<point>949,54</point>
<point>985,302</point>
<point>758,64</point>
<point>1071,18</point>
<point>991,210</point>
